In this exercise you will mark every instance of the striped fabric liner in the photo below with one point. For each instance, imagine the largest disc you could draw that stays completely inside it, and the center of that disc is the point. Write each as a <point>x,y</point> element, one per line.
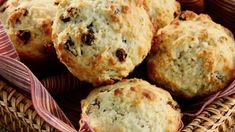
<point>61,83</point>
<point>6,46</point>
<point>19,75</point>
<point>2,1</point>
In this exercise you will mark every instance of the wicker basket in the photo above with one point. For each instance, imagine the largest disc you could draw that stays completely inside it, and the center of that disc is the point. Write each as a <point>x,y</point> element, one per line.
<point>17,114</point>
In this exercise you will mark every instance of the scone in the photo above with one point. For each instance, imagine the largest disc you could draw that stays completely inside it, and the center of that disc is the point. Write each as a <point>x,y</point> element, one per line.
<point>29,25</point>
<point>161,12</point>
<point>101,40</point>
<point>193,56</point>
<point>130,106</point>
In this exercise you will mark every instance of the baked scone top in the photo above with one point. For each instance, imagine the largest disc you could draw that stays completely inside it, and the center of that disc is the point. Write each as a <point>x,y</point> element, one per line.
<point>131,106</point>
<point>101,41</point>
<point>193,56</point>
<point>28,23</point>
<point>161,12</point>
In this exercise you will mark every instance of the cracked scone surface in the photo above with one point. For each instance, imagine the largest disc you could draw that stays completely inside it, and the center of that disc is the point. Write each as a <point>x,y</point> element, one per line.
<point>162,12</point>
<point>131,106</point>
<point>193,56</point>
<point>101,41</point>
<point>29,25</point>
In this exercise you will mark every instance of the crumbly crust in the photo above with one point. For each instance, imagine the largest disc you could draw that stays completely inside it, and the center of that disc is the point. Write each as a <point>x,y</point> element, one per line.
<point>193,56</point>
<point>161,12</point>
<point>29,25</point>
<point>101,41</point>
<point>131,106</point>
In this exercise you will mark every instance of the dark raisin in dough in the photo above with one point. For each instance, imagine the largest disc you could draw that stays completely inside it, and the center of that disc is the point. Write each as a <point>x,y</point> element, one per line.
<point>4,8</point>
<point>175,14</point>
<point>25,12</point>
<point>96,102</point>
<point>117,11</point>
<point>88,38</point>
<point>23,35</point>
<point>124,40</point>
<point>72,11</point>
<point>56,3</point>
<point>90,28</point>
<point>121,54</point>
<point>64,18</point>
<point>69,45</point>
<point>219,76</point>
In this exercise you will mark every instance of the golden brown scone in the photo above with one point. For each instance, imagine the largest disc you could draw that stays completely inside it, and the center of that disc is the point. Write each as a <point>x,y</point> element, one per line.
<point>101,41</point>
<point>161,12</point>
<point>130,106</point>
<point>193,56</point>
<point>29,25</point>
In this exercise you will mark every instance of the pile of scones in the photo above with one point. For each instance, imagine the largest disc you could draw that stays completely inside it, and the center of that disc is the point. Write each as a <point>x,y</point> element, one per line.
<point>102,41</point>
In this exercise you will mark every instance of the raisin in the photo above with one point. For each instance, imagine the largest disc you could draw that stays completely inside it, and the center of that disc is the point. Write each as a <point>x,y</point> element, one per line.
<point>88,38</point>
<point>96,102</point>
<point>72,11</point>
<point>219,76</point>
<point>64,18</point>
<point>116,11</point>
<point>89,27</point>
<point>24,35</point>
<point>69,45</point>
<point>121,54</point>
<point>56,3</point>
<point>124,40</point>
<point>4,8</point>
<point>25,12</point>
<point>175,14</point>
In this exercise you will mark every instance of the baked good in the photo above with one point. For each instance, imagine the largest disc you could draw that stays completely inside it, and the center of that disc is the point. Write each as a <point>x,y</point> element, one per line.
<point>192,57</point>
<point>161,12</point>
<point>28,23</point>
<point>130,106</point>
<point>101,41</point>
<point>5,8</point>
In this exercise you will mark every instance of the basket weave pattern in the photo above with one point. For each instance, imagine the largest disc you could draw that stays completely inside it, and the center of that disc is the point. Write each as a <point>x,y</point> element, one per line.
<point>17,112</point>
<point>217,117</point>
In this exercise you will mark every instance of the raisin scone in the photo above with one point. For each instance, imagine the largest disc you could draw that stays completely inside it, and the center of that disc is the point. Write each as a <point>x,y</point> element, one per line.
<point>161,12</point>
<point>101,40</point>
<point>193,56</point>
<point>130,106</point>
<point>29,25</point>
